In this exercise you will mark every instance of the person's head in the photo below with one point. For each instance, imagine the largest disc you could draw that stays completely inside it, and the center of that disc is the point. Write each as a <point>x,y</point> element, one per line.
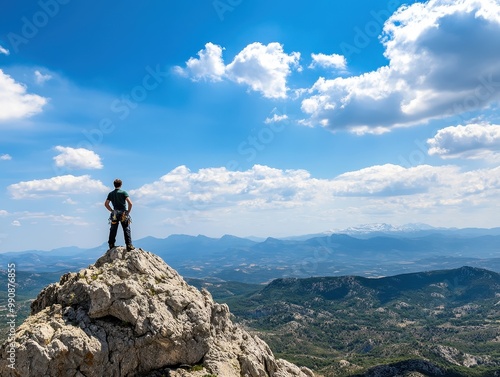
<point>117,183</point>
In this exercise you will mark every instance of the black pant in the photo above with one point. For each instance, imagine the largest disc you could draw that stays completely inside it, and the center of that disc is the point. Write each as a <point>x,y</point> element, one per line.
<point>115,218</point>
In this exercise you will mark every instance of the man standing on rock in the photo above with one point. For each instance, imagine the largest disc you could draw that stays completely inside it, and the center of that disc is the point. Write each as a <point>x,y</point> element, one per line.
<point>120,213</point>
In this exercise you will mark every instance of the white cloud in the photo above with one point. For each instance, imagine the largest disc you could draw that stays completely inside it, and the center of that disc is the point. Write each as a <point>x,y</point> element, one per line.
<point>218,201</point>
<point>69,201</point>
<point>77,158</point>
<point>68,220</point>
<point>472,141</point>
<point>276,118</point>
<point>15,102</point>
<point>56,186</point>
<point>421,186</point>
<point>334,61</point>
<point>5,157</point>
<point>390,180</point>
<point>40,78</point>
<point>34,217</point>
<point>4,51</point>
<point>209,66</point>
<point>264,68</point>
<point>443,60</point>
<point>16,223</point>
<point>3,212</point>
<point>262,187</point>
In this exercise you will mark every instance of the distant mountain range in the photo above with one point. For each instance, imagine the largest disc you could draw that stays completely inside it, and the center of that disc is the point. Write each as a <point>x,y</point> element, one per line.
<point>416,229</point>
<point>371,251</point>
<point>435,323</point>
<point>410,229</point>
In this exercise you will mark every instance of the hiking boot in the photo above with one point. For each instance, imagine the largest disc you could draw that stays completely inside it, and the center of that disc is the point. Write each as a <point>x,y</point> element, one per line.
<point>130,247</point>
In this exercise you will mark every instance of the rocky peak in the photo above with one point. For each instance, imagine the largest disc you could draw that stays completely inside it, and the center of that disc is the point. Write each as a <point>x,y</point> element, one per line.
<point>130,314</point>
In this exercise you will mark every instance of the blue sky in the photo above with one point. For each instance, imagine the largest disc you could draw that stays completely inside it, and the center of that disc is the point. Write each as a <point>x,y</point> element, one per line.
<point>246,117</point>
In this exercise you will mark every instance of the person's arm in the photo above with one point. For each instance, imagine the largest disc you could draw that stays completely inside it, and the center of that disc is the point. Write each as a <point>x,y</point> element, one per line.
<point>129,204</point>
<point>108,207</point>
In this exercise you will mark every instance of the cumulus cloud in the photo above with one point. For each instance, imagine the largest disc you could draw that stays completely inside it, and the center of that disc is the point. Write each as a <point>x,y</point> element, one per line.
<point>443,60</point>
<point>262,187</point>
<point>16,223</point>
<point>3,212</point>
<point>420,186</point>
<point>77,158</point>
<point>263,68</point>
<point>216,187</point>
<point>5,157</point>
<point>334,61</point>
<point>472,141</point>
<point>56,186</point>
<point>208,66</point>
<point>15,102</point>
<point>40,78</point>
<point>390,180</point>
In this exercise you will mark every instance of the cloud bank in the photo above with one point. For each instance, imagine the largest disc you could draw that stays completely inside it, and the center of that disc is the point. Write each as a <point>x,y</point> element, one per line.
<point>444,59</point>
<point>263,187</point>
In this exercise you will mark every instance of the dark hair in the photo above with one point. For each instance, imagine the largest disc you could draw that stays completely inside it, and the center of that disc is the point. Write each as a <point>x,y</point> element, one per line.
<point>117,183</point>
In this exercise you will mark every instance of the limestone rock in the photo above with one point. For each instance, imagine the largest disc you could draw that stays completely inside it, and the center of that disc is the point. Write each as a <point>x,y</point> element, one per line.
<point>454,356</point>
<point>131,315</point>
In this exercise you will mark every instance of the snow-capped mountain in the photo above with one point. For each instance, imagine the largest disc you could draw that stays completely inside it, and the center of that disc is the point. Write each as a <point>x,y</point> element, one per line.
<point>384,228</point>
